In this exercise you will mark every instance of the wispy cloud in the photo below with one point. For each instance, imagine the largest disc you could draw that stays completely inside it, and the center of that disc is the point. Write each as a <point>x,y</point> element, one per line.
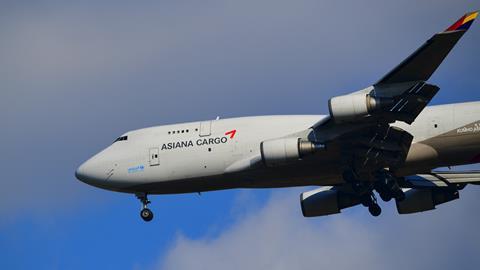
<point>276,236</point>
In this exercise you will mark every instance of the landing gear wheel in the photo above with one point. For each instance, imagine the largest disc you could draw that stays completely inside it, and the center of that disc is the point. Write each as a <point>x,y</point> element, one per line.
<point>385,197</point>
<point>375,210</point>
<point>146,214</point>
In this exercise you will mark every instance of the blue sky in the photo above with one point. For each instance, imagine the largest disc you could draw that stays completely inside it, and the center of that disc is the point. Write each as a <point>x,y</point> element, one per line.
<point>77,75</point>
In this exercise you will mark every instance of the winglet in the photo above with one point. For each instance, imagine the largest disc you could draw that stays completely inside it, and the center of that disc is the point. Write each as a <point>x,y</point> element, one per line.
<point>463,23</point>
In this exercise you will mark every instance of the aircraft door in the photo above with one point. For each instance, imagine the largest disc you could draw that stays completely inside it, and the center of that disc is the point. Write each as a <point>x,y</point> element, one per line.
<point>154,158</point>
<point>205,128</point>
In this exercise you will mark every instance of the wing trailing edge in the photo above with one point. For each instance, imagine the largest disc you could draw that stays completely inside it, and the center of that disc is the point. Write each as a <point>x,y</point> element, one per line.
<point>443,179</point>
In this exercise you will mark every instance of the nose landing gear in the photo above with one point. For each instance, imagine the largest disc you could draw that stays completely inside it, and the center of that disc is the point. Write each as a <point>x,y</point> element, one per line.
<point>146,214</point>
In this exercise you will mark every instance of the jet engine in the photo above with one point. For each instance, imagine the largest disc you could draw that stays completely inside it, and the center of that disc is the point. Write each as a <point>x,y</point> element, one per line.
<point>325,201</point>
<point>282,151</point>
<point>354,106</point>
<point>419,200</point>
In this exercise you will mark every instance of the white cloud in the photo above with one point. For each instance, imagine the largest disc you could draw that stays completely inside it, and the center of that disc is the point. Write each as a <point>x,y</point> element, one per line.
<point>278,237</point>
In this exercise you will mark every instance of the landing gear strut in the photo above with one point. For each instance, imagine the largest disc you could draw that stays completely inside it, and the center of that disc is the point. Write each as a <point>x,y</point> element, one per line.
<point>388,188</point>
<point>146,214</point>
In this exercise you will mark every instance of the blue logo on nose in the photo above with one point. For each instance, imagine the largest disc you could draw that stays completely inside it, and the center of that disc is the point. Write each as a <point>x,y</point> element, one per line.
<point>136,169</point>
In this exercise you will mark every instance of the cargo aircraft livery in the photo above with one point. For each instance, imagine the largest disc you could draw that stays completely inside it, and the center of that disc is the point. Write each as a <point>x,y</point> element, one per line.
<point>382,140</point>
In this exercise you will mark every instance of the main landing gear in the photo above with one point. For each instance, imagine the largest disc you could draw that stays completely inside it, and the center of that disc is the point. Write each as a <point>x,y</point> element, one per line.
<point>370,200</point>
<point>388,188</point>
<point>146,214</point>
<point>365,193</point>
<point>385,183</point>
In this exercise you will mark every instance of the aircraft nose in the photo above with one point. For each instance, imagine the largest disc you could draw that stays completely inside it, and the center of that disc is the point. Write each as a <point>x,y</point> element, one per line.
<point>91,172</point>
<point>82,173</point>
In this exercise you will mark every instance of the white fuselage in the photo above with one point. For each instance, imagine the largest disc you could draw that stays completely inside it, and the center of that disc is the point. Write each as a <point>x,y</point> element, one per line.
<point>220,154</point>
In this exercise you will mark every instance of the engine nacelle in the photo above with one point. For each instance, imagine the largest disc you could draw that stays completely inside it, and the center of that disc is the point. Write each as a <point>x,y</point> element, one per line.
<point>419,200</point>
<point>354,106</point>
<point>325,201</point>
<point>282,151</point>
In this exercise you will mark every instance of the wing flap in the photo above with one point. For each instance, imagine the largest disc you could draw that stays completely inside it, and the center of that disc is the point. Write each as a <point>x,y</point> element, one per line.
<point>443,179</point>
<point>410,104</point>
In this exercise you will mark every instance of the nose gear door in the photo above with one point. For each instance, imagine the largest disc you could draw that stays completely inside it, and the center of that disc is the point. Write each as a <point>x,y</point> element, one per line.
<point>154,159</point>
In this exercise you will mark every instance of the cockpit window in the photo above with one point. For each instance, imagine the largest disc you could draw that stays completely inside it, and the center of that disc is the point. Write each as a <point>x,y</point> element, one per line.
<point>123,138</point>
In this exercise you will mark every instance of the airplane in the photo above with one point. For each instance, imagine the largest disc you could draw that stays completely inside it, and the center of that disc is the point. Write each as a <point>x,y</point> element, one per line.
<point>383,140</point>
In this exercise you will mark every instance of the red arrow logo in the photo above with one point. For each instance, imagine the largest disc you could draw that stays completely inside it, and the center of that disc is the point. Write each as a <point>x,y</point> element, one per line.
<point>231,133</point>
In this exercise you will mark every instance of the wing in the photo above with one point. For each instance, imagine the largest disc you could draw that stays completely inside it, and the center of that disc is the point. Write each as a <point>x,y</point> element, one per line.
<point>422,193</point>
<point>425,60</point>
<point>426,191</point>
<point>359,130</point>
<point>359,123</point>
